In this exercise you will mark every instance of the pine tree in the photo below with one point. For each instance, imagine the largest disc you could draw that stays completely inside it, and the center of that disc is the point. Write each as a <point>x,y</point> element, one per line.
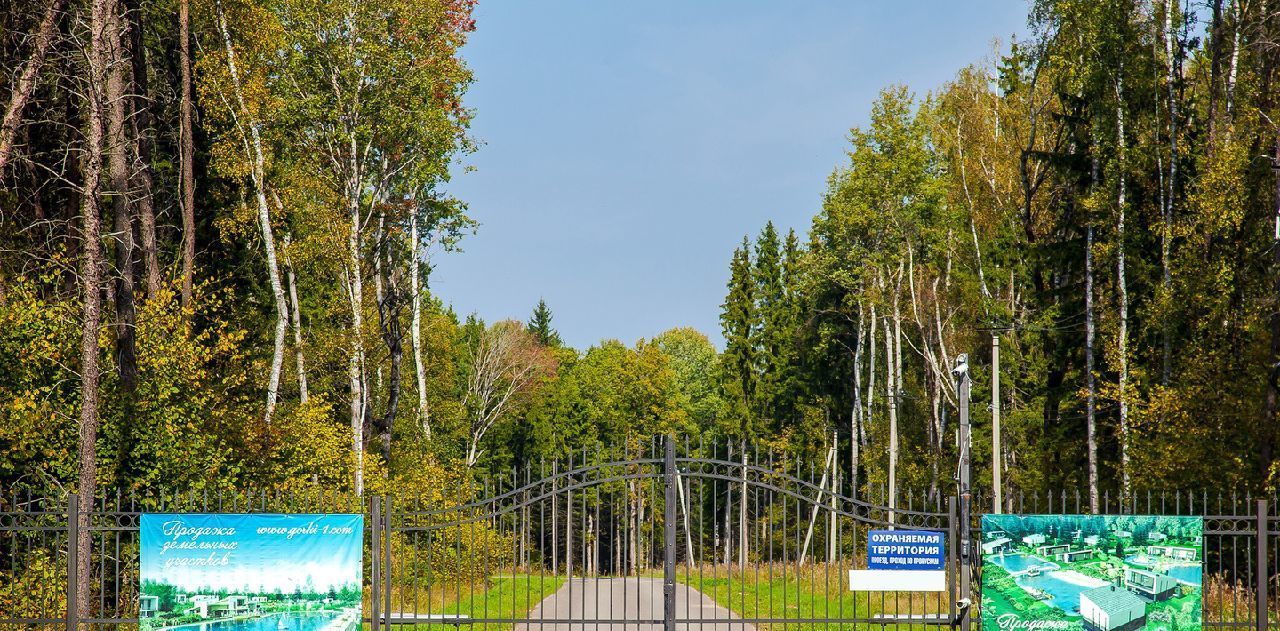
<point>540,325</point>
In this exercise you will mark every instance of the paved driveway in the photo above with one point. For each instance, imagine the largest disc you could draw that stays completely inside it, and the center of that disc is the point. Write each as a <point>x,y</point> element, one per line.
<point>618,604</point>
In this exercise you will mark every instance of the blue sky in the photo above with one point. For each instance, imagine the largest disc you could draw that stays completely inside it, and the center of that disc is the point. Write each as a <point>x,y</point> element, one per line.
<point>628,146</point>
<point>261,560</point>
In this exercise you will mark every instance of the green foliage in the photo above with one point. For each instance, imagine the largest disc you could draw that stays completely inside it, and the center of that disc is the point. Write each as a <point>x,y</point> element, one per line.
<point>613,396</point>
<point>696,365</point>
<point>37,428</point>
<point>37,589</point>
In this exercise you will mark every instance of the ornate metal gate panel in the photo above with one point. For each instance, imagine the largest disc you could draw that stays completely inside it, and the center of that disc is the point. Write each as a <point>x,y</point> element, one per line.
<point>712,538</point>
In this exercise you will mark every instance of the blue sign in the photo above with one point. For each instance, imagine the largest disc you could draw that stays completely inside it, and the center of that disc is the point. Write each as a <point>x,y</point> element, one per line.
<point>905,550</point>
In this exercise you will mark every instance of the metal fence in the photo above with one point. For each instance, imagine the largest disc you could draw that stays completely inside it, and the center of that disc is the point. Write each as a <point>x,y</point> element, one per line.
<point>38,559</point>
<point>659,536</point>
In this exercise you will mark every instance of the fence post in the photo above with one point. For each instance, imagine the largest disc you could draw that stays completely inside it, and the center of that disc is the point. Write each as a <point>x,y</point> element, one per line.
<point>386,559</point>
<point>1260,568</point>
<point>375,566</point>
<point>73,561</point>
<point>953,527</point>
<point>961,372</point>
<point>669,538</point>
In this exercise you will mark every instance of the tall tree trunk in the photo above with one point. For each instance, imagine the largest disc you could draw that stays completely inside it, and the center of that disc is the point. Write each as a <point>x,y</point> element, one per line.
<point>378,244</point>
<point>122,230</point>
<point>140,125</point>
<point>186,149</point>
<point>1215,68</point>
<point>253,144</point>
<point>897,331</point>
<point>1166,236</point>
<point>415,334</point>
<point>934,386</point>
<point>871,374</point>
<point>1234,65</point>
<point>1091,426</point>
<point>855,414</point>
<point>1122,287</point>
<point>355,366</point>
<point>389,321</point>
<point>91,281</point>
<point>894,442</point>
<point>295,315</point>
<point>26,84</point>
<point>891,395</point>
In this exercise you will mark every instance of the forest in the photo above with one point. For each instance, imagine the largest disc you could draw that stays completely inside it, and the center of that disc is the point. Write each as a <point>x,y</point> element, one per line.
<point>218,221</point>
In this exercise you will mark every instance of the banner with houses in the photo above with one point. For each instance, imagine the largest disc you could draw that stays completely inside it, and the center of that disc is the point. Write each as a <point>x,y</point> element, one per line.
<point>251,572</point>
<point>1091,572</point>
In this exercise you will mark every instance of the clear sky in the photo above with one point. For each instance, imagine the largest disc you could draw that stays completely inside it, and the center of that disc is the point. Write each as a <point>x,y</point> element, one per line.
<point>629,146</point>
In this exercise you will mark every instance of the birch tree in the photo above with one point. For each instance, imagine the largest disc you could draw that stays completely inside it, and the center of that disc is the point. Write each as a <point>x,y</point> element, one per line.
<point>506,364</point>
<point>375,88</point>
<point>248,125</point>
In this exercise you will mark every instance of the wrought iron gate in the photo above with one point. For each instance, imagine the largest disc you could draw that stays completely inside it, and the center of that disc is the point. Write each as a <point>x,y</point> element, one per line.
<point>716,537</point>
<point>713,536</point>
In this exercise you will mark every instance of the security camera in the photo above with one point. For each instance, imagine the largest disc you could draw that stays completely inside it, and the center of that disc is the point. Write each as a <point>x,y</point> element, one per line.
<point>962,366</point>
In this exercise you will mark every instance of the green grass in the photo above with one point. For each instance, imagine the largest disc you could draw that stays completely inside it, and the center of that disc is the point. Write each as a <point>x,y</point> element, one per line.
<point>501,597</point>
<point>817,593</point>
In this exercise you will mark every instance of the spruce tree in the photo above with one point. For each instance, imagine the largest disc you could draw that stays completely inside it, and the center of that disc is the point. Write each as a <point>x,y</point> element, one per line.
<point>789,321</point>
<point>770,338</point>
<point>540,325</point>
<point>738,323</point>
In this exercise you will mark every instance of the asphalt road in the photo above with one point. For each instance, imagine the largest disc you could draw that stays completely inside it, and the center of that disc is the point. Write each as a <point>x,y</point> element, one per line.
<point>619,604</point>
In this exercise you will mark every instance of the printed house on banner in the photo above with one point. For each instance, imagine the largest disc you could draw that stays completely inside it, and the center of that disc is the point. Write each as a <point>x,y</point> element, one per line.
<point>1149,584</point>
<point>228,607</point>
<point>1070,556</point>
<point>1109,609</point>
<point>148,606</point>
<point>1049,551</point>
<point>1173,552</point>
<point>996,546</point>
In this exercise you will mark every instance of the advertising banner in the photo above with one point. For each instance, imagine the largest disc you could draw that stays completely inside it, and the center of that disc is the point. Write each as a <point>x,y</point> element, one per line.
<point>252,572</point>
<point>1095,572</point>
